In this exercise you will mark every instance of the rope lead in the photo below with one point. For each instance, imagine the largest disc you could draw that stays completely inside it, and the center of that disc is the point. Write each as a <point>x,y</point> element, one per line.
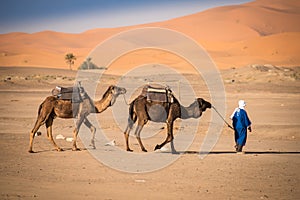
<point>222,118</point>
<point>125,100</point>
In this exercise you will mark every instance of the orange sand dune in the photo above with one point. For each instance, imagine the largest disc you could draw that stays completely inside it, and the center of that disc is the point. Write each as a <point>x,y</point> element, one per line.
<point>279,49</point>
<point>233,23</point>
<point>259,32</point>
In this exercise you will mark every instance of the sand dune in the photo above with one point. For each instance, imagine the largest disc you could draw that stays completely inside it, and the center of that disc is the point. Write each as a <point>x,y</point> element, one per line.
<point>258,32</point>
<point>278,49</point>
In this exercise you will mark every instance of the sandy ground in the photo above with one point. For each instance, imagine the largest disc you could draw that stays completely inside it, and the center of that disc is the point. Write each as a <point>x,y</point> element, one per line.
<point>267,170</point>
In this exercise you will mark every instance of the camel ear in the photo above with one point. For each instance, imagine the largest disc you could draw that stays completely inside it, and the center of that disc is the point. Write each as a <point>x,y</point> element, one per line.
<point>200,101</point>
<point>112,88</point>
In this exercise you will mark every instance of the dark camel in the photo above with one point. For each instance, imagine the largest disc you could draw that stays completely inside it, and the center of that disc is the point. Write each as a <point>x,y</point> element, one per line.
<point>142,110</point>
<point>53,107</point>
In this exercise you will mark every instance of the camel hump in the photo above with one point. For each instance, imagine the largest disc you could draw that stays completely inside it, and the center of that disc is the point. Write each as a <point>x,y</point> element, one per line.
<point>158,93</point>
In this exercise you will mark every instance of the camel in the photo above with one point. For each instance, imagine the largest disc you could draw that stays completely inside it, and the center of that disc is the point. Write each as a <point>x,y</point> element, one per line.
<point>142,110</point>
<point>53,107</point>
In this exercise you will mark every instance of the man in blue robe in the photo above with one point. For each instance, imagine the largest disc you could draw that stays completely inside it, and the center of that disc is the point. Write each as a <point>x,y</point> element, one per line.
<point>241,123</point>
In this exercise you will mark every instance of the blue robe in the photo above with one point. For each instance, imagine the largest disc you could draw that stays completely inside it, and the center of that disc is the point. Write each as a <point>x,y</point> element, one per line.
<point>240,122</point>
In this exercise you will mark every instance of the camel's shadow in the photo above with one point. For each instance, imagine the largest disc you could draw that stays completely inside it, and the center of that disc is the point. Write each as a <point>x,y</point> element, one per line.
<point>63,150</point>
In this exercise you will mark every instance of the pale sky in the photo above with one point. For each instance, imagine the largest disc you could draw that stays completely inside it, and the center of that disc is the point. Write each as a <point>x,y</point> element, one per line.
<point>75,16</point>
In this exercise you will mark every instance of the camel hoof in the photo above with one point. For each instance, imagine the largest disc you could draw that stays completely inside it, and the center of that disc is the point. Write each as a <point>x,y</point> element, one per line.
<point>59,150</point>
<point>129,150</point>
<point>175,152</point>
<point>30,151</point>
<point>75,149</point>
<point>157,147</point>
<point>144,150</point>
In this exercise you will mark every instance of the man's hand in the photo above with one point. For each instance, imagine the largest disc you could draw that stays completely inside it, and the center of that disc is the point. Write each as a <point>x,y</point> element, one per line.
<point>250,129</point>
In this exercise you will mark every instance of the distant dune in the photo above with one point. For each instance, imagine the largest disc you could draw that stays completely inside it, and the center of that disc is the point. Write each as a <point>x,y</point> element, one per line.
<point>259,32</point>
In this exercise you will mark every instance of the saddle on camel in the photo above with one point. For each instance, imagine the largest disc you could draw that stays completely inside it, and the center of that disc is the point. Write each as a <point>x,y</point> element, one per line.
<point>75,94</point>
<point>157,93</point>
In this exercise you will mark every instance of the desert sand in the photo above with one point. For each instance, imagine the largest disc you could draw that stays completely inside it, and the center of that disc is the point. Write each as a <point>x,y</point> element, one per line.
<point>267,170</point>
<point>257,55</point>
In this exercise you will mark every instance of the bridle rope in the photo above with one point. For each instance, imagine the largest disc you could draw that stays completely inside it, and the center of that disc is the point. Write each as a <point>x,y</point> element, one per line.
<point>222,118</point>
<point>125,100</point>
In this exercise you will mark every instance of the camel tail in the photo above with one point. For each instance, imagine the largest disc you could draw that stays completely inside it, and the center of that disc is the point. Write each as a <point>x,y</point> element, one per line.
<point>40,108</point>
<point>132,116</point>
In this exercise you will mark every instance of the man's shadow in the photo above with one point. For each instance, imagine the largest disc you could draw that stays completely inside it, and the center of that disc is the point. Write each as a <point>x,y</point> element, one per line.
<point>233,152</point>
<point>174,151</point>
<point>245,152</point>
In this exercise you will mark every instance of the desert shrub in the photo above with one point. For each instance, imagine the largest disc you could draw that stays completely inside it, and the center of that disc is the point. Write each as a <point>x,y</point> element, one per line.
<point>89,65</point>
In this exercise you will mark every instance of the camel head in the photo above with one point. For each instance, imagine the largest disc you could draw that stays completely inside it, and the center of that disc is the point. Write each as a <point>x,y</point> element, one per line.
<point>199,106</point>
<point>196,108</point>
<point>114,92</point>
<point>203,105</point>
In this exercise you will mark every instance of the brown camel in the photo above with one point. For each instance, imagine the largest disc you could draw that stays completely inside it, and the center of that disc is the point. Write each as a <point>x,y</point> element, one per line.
<point>142,110</point>
<point>53,107</point>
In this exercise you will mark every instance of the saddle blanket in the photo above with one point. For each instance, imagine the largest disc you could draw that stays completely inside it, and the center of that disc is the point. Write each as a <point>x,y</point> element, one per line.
<point>157,93</point>
<point>75,94</point>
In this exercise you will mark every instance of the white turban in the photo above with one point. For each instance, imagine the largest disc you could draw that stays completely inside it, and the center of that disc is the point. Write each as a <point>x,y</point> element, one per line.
<point>242,104</point>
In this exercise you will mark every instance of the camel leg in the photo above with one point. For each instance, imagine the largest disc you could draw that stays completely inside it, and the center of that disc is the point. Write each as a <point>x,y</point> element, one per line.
<point>138,134</point>
<point>138,137</point>
<point>169,136</point>
<point>42,117</point>
<point>93,131</point>
<point>128,129</point>
<point>75,132</point>
<point>49,123</point>
<point>173,148</point>
<point>36,127</point>
<point>126,134</point>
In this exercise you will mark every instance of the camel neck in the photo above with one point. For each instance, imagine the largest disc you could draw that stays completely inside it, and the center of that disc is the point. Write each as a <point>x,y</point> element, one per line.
<point>192,111</point>
<point>103,104</point>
